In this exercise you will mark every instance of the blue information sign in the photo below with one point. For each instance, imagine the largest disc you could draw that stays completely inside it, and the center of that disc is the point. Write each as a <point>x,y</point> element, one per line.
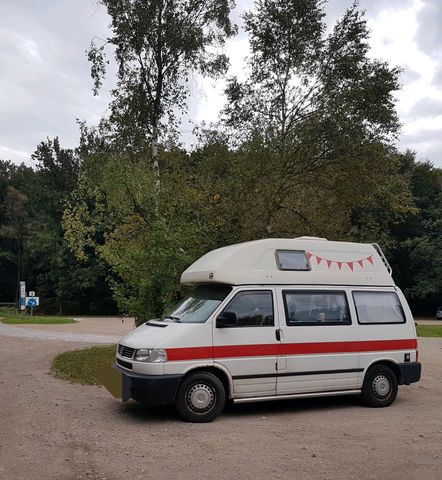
<point>32,302</point>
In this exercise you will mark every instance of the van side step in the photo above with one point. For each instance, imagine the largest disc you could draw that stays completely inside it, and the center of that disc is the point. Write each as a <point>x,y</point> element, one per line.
<point>296,395</point>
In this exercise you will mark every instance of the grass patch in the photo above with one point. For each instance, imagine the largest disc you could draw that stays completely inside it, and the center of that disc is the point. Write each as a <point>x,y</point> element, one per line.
<point>429,330</point>
<point>9,315</point>
<point>80,366</point>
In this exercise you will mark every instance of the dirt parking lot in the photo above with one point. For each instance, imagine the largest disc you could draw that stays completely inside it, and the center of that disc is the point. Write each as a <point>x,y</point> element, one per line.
<point>51,429</point>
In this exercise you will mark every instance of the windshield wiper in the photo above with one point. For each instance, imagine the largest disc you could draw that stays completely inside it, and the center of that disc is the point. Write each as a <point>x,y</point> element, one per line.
<point>175,319</point>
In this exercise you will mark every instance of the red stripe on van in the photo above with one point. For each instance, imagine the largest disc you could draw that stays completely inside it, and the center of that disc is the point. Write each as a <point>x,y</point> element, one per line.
<point>272,349</point>
<point>347,347</point>
<point>189,353</point>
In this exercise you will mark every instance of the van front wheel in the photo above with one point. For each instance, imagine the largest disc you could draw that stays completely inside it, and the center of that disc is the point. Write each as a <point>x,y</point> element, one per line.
<point>200,397</point>
<point>380,386</point>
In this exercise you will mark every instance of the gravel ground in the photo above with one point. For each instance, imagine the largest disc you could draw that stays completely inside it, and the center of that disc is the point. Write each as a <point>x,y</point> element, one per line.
<point>52,429</point>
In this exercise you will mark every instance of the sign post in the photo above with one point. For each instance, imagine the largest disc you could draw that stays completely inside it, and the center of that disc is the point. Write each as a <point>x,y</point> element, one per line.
<point>32,301</point>
<point>22,298</point>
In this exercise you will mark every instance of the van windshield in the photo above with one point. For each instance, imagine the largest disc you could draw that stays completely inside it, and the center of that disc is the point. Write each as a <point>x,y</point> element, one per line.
<point>199,304</point>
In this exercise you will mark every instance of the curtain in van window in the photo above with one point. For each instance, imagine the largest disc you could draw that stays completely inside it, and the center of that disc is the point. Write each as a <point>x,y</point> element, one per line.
<point>378,307</point>
<point>308,308</point>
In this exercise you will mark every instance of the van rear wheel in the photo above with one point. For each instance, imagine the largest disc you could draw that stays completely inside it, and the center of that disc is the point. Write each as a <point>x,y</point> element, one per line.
<point>380,386</point>
<point>200,397</point>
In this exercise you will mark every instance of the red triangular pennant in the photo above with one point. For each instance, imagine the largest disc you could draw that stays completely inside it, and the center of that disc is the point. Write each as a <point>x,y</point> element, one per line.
<point>339,264</point>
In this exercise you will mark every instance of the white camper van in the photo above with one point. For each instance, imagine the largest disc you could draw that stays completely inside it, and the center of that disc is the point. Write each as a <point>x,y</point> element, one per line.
<point>276,319</point>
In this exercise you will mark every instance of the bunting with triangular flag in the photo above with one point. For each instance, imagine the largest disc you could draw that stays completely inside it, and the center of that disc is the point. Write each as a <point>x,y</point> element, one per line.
<point>350,264</point>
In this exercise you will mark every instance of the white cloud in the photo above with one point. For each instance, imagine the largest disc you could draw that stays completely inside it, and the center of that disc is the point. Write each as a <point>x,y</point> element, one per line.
<point>17,156</point>
<point>30,49</point>
<point>211,94</point>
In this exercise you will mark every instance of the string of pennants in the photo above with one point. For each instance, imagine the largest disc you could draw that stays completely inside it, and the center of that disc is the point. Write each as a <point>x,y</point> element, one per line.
<point>350,265</point>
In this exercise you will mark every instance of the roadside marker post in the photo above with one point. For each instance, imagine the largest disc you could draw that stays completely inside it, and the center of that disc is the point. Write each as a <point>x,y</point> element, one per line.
<point>22,298</point>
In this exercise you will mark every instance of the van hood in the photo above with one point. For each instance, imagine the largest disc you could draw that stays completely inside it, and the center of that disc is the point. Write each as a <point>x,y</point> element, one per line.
<point>149,335</point>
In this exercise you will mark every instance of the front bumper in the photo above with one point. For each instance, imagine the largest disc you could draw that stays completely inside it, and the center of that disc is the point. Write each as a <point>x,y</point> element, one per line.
<point>149,389</point>
<point>410,372</point>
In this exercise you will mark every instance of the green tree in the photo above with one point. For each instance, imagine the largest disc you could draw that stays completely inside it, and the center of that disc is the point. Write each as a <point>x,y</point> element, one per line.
<point>417,240</point>
<point>297,74</point>
<point>16,227</point>
<point>314,123</point>
<point>62,280</point>
<point>21,178</point>
<point>146,253</point>
<point>32,244</point>
<point>57,173</point>
<point>157,45</point>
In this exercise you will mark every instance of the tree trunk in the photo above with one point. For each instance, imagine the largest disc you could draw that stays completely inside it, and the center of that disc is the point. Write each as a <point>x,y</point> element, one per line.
<point>155,165</point>
<point>17,291</point>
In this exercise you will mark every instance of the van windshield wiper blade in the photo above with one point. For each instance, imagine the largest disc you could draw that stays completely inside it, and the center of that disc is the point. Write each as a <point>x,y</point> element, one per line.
<point>175,319</point>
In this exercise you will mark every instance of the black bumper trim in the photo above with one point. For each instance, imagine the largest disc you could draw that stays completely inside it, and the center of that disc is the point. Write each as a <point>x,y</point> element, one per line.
<point>410,372</point>
<point>149,389</point>
<point>124,364</point>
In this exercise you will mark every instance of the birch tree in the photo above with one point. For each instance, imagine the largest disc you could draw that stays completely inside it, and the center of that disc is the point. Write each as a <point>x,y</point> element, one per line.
<point>158,45</point>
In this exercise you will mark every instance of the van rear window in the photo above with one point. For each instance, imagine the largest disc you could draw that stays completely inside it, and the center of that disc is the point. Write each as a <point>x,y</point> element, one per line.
<point>378,308</point>
<point>292,260</point>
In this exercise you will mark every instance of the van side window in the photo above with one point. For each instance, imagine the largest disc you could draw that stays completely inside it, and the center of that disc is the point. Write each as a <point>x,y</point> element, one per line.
<point>378,307</point>
<point>252,309</point>
<point>316,308</point>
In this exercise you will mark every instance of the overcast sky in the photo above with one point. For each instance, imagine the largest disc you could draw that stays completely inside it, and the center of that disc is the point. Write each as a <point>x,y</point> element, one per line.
<point>45,84</point>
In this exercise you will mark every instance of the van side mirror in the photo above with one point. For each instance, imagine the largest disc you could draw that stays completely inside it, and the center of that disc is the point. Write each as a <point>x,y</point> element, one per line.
<point>227,319</point>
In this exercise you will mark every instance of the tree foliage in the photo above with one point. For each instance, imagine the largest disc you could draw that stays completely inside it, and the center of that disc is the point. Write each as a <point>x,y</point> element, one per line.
<point>303,81</point>
<point>306,146</point>
<point>157,45</point>
<point>315,119</point>
<point>32,239</point>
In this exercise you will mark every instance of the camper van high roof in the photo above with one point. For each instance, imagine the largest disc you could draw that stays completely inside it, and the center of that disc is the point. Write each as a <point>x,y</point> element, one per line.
<point>284,261</point>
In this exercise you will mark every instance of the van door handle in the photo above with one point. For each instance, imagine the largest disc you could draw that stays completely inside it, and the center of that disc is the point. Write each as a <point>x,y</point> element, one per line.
<point>278,334</point>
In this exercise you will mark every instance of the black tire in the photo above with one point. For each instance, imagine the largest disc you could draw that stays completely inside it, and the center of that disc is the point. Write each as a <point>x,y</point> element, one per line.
<point>200,397</point>
<point>380,386</point>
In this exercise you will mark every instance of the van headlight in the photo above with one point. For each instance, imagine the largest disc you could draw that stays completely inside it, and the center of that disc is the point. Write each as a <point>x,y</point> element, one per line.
<point>151,355</point>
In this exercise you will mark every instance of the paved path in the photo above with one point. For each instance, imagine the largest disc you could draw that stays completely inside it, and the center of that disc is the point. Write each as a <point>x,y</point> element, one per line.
<point>87,330</point>
<point>32,334</point>
<point>428,321</point>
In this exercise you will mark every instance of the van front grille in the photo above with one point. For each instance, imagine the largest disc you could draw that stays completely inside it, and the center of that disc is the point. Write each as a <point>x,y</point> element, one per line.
<point>126,351</point>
